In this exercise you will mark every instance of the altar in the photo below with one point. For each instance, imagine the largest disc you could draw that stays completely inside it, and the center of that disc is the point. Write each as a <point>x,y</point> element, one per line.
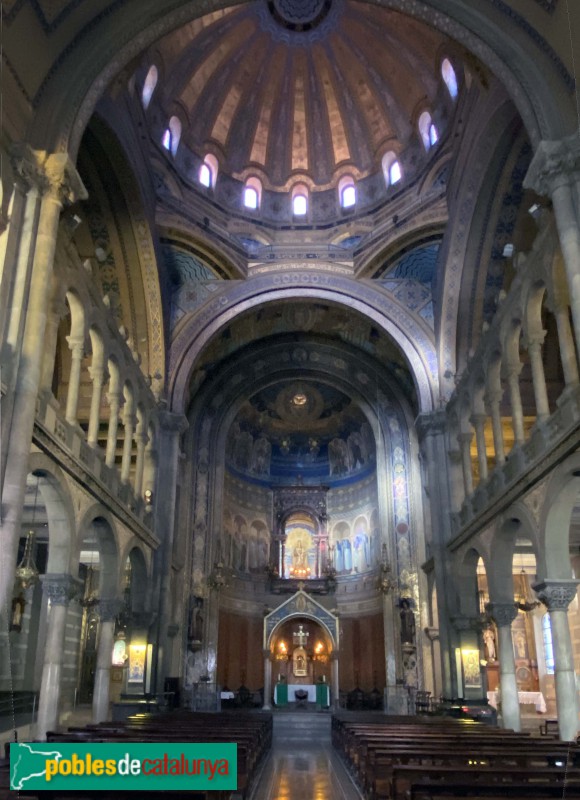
<point>316,693</point>
<point>524,698</point>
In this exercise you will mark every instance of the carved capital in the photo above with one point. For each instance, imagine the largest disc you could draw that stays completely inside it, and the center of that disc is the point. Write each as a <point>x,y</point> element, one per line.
<point>503,614</point>
<point>465,438</point>
<point>65,184</point>
<point>433,424</point>
<point>478,420</point>
<point>556,595</point>
<point>109,608</point>
<point>554,164</point>
<point>172,423</point>
<point>27,166</point>
<point>61,589</point>
<point>463,622</point>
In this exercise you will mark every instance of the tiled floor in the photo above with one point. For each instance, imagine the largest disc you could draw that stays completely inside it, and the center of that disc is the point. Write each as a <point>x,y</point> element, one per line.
<point>305,774</point>
<point>302,764</point>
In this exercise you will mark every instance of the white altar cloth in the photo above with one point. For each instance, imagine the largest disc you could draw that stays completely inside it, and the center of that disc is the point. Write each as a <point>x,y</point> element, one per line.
<point>293,687</point>
<point>524,698</point>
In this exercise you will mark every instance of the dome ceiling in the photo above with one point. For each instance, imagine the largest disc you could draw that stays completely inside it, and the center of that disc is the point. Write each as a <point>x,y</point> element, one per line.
<point>314,88</point>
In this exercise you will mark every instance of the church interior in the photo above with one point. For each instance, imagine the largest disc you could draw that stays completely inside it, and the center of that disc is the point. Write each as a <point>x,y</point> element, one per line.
<point>289,360</point>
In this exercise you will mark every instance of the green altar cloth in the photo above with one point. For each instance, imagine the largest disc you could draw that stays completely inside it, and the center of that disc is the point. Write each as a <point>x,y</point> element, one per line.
<point>281,697</point>
<point>322,695</point>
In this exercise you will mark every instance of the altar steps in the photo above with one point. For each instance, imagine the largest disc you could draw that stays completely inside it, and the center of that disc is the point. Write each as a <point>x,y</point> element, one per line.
<point>301,727</point>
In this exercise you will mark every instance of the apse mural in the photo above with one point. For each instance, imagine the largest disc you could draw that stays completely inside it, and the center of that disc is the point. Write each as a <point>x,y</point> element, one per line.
<point>304,429</point>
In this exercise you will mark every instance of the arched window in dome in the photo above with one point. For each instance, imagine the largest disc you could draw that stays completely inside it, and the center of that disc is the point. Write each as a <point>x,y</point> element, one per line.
<point>347,192</point>
<point>300,200</point>
<point>208,171</point>
<point>172,135</point>
<point>391,168</point>
<point>449,76</point>
<point>149,86</point>
<point>253,193</point>
<point>428,130</point>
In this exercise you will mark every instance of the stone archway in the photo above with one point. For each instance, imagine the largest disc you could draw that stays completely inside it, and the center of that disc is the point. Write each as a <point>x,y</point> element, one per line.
<point>302,606</point>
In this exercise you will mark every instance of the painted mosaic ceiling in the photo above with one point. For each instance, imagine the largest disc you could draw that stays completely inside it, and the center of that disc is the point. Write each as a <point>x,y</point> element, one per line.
<point>300,86</point>
<point>301,430</point>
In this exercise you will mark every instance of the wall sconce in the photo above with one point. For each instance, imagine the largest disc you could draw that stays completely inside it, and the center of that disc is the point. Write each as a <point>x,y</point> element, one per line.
<point>386,580</point>
<point>148,497</point>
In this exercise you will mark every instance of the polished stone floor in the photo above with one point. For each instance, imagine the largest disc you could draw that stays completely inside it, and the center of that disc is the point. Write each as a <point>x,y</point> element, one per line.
<point>302,764</point>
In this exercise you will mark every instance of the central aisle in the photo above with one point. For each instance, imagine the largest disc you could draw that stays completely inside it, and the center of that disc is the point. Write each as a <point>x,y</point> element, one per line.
<point>302,764</point>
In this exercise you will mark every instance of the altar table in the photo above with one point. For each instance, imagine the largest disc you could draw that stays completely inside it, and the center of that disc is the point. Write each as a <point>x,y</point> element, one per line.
<point>291,688</point>
<point>524,698</point>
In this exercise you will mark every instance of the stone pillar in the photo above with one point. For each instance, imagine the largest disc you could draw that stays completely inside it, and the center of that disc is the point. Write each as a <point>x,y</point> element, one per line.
<point>108,611</point>
<point>61,184</point>
<point>59,590</point>
<point>493,400</point>
<point>267,681</point>
<point>150,466</point>
<point>114,400</point>
<point>566,341</point>
<point>503,615</point>
<point>128,424</point>
<point>335,688</point>
<point>18,246</point>
<point>513,379</point>
<point>99,377</point>
<point>141,440</point>
<point>557,595</point>
<point>555,172</point>
<point>464,440</point>
<point>171,427</point>
<point>72,399</point>
<point>56,313</point>
<point>478,422</point>
<point>539,380</point>
<point>432,432</point>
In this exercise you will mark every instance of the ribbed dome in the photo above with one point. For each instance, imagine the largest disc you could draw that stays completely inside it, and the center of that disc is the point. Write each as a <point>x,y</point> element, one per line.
<point>317,88</point>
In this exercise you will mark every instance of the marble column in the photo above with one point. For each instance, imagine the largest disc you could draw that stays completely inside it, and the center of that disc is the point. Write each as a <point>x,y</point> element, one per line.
<point>61,184</point>
<point>478,422</point>
<point>432,432</point>
<point>557,595</point>
<point>539,380</point>
<point>108,611</point>
<point>493,400</point>
<point>77,351</point>
<point>503,615</point>
<point>171,427</point>
<point>129,425</point>
<point>18,245</point>
<point>555,173</point>
<point>114,400</point>
<point>267,681</point>
<point>464,440</point>
<point>513,380</point>
<point>335,681</point>
<point>59,589</point>
<point>57,311</point>
<point>566,342</point>
<point>99,376</point>
<point>141,440</point>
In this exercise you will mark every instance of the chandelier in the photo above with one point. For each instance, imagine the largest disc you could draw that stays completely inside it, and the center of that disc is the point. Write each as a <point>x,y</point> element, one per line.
<point>26,573</point>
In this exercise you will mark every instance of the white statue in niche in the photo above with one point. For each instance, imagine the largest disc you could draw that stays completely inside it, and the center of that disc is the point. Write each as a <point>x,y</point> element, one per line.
<point>489,640</point>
